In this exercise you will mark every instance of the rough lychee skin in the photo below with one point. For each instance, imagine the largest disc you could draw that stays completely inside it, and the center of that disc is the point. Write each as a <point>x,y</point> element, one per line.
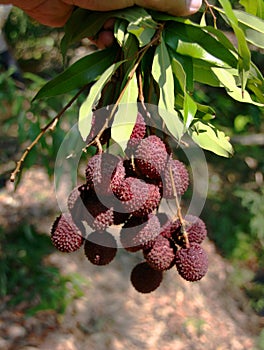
<point>118,176</point>
<point>65,235</point>
<point>151,156</point>
<point>76,206</point>
<point>100,247</point>
<point>161,255</point>
<point>138,133</point>
<point>104,172</point>
<point>138,197</point>
<point>195,228</point>
<point>170,227</point>
<point>192,262</point>
<point>97,215</point>
<point>139,233</point>
<point>145,279</point>
<point>180,176</point>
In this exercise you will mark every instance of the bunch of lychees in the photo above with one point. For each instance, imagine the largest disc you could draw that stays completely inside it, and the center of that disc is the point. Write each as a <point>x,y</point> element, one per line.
<point>127,192</point>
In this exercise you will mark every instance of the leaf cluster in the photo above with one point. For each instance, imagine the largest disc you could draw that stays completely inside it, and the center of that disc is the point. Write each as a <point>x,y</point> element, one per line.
<point>159,59</point>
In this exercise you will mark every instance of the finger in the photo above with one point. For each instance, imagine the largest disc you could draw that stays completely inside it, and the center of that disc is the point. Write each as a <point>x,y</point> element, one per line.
<point>101,5</point>
<point>173,7</point>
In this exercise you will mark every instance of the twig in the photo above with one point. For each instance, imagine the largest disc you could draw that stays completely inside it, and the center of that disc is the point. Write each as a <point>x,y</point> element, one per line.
<point>141,95</point>
<point>179,213</point>
<point>209,7</point>
<point>50,126</point>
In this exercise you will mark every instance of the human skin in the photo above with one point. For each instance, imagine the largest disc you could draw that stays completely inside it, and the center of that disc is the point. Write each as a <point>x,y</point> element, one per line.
<point>55,13</point>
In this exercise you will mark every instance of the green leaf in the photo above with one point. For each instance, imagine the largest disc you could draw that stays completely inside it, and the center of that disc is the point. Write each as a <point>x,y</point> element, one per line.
<point>179,73</point>
<point>120,29</point>
<point>252,26</point>
<point>244,58</point>
<point>189,110</point>
<point>229,82</point>
<point>250,6</point>
<point>130,52</point>
<point>79,74</point>
<point>256,7</point>
<point>221,37</point>
<point>85,112</point>
<point>84,23</point>
<point>143,27</point>
<point>125,117</point>
<point>193,41</point>
<point>202,73</point>
<point>144,35</point>
<point>189,106</point>
<point>135,14</point>
<point>249,20</point>
<point>205,109</point>
<point>163,75</point>
<point>211,139</point>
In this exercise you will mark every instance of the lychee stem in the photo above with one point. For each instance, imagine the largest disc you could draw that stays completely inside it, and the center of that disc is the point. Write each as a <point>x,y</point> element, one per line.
<point>179,213</point>
<point>209,7</point>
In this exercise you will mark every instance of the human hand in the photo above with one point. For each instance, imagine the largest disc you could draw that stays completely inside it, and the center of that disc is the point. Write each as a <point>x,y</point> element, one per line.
<point>55,13</point>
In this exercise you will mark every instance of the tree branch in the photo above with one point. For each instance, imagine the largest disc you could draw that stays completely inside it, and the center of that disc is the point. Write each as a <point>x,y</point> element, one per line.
<point>50,126</point>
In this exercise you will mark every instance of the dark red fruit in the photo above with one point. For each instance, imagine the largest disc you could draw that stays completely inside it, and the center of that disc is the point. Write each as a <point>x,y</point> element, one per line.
<point>139,233</point>
<point>105,172</point>
<point>169,229</point>
<point>138,133</point>
<point>65,235</point>
<point>145,279</point>
<point>76,206</point>
<point>192,262</point>
<point>180,176</point>
<point>98,215</point>
<point>195,228</point>
<point>161,255</point>
<point>100,247</point>
<point>151,156</point>
<point>138,197</point>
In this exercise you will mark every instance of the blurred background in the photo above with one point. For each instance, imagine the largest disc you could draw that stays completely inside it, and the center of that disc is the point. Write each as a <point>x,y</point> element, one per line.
<point>52,300</point>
